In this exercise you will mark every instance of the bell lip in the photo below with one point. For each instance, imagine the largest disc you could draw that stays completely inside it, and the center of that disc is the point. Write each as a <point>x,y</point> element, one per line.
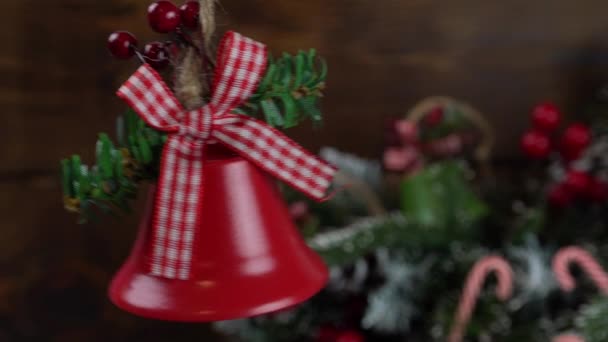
<point>260,310</point>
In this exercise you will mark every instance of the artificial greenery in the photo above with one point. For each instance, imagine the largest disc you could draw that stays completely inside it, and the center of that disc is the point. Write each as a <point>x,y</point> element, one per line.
<point>346,245</point>
<point>439,206</point>
<point>593,321</point>
<point>288,94</point>
<point>399,276</point>
<point>290,90</point>
<point>440,196</point>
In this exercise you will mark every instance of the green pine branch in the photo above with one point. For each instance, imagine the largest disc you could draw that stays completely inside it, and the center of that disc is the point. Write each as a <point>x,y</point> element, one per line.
<point>288,94</point>
<point>347,245</point>
<point>593,319</point>
<point>290,90</point>
<point>339,247</point>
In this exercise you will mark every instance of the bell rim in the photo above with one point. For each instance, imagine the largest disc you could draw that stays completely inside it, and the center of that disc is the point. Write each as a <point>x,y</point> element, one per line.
<point>291,301</point>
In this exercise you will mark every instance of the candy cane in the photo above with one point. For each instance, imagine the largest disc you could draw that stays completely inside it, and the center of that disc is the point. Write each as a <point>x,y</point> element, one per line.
<point>568,338</point>
<point>568,255</point>
<point>473,287</point>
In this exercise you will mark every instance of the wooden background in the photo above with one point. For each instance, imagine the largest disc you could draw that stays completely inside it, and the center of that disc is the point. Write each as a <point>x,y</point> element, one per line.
<point>56,93</point>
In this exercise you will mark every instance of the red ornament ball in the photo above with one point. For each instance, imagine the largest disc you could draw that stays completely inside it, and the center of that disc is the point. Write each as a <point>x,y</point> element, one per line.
<point>576,138</point>
<point>122,44</point>
<point>156,55</point>
<point>434,117</point>
<point>350,336</point>
<point>536,145</point>
<point>546,117</point>
<point>163,16</point>
<point>560,197</point>
<point>189,13</point>
<point>577,182</point>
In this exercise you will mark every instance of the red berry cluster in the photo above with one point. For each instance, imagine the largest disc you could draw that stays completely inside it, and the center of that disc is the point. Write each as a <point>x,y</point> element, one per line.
<point>537,143</point>
<point>578,185</point>
<point>435,117</point>
<point>409,141</point>
<point>163,17</point>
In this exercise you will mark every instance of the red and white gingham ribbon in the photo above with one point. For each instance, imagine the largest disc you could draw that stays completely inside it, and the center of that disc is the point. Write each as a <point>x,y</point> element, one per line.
<point>240,67</point>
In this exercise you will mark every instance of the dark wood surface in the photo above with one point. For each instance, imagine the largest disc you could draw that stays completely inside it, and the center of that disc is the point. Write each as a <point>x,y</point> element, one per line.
<point>56,94</point>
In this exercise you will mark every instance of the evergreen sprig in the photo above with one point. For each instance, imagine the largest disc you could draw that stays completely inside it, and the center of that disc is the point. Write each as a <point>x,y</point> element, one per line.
<point>113,181</point>
<point>347,245</point>
<point>290,90</point>
<point>593,320</point>
<point>288,94</point>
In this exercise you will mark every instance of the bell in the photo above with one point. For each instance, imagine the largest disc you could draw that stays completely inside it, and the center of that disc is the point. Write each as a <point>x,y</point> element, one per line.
<point>249,258</point>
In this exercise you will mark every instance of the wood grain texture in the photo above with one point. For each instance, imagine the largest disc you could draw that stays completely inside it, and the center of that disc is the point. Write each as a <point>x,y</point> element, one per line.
<point>386,55</point>
<point>56,94</point>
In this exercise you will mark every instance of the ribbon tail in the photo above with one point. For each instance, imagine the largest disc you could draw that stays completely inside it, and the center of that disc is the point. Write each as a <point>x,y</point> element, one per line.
<point>176,209</point>
<point>148,95</point>
<point>275,153</point>
<point>241,63</point>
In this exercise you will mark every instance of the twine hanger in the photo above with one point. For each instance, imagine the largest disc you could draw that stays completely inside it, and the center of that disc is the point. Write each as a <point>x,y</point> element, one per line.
<point>192,69</point>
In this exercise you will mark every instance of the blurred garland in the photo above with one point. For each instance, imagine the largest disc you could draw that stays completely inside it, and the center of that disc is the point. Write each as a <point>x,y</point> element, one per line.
<point>593,320</point>
<point>288,94</point>
<point>443,226</point>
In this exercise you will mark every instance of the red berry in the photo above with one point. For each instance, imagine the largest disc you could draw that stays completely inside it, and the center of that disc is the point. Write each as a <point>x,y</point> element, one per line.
<point>448,146</point>
<point>569,154</point>
<point>163,16</point>
<point>122,44</point>
<point>350,336</point>
<point>536,145</point>
<point>577,182</point>
<point>560,197</point>
<point>546,117</point>
<point>156,55</point>
<point>434,117</point>
<point>597,191</point>
<point>326,333</point>
<point>299,211</point>
<point>189,13</point>
<point>391,136</point>
<point>400,159</point>
<point>172,48</point>
<point>407,131</point>
<point>575,139</point>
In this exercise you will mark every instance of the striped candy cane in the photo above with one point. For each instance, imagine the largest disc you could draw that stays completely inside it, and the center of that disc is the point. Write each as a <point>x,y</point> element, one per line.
<point>568,255</point>
<point>568,338</point>
<point>473,287</point>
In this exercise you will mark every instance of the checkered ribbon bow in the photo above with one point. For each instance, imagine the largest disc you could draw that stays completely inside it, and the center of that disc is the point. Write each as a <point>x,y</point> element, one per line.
<point>240,67</point>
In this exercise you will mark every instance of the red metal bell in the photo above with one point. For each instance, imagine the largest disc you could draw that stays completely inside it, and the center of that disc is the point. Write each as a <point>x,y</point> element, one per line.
<point>249,259</point>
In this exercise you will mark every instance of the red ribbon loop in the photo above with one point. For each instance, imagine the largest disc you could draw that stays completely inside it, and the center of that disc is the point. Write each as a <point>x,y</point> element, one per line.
<point>240,67</point>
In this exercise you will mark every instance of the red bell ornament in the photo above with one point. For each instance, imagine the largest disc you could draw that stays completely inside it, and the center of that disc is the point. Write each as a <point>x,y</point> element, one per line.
<point>250,258</point>
<point>218,241</point>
